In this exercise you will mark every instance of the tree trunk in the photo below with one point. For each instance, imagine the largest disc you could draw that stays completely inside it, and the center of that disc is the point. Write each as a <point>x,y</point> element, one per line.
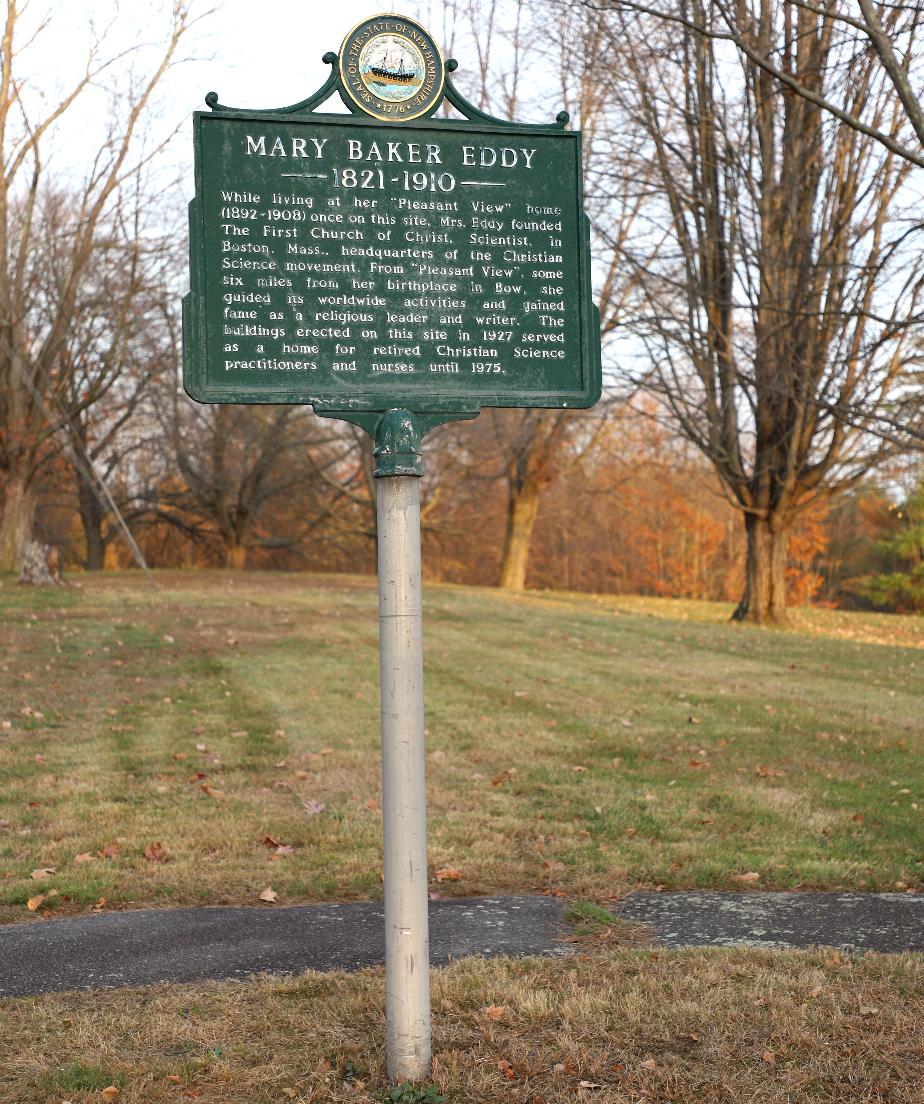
<point>91,518</point>
<point>522,508</point>
<point>17,514</point>
<point>235,556</point>
<point>764,598</point>
<point>40,565</point>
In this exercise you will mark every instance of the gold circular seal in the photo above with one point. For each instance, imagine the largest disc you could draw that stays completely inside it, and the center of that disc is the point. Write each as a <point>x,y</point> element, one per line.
<point>391,68</point>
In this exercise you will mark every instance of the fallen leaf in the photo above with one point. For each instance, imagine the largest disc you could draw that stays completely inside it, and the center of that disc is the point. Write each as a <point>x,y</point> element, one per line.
<point>858,818</point>
<point>110,850</point>
<point>208,788</point>
<point>868,1010</point>
<point>156,852</point>
<point>697,764</point>
<point>494,1011</point>
<point>769,1056</point>
<point>43,873</point>
<point>816,992</point>
<point>269,894</point>
<point>284,849</point>
<point>579,770</point>
<point>448,874</point>
<point>312,807</point>
<point>270,841</point>
<point>649,1063</point>
<point>751,876</point>
<point>694,720</point>
<point>769,772</point>
<point>506,1069</point>
<point>589,1085</point>
<point>201,747</point>
<point>33,903</point>
<point>172,1077</point>
<point>99,906</point>
<point>109,1093</point>
<point>372,805</point>
<point>85,856</point>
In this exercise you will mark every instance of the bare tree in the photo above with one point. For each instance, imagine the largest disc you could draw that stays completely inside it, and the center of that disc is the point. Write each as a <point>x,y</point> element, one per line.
<point>121,339</point>
<point>39,306</point>
<point>778,313</point>
<point>521,50</point>
<point>231,460</point>
<point>889,32</point>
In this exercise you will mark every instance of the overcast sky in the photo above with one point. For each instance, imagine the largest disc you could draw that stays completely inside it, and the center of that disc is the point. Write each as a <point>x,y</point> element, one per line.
<point>253,53</point>
<point>268,54</point>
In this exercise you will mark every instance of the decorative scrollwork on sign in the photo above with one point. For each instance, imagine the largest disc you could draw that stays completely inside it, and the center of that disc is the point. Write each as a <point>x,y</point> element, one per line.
<point>389,69</point>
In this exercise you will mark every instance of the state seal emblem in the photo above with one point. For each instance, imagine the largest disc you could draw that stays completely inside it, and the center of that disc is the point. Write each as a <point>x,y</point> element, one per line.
<point>391,68</point>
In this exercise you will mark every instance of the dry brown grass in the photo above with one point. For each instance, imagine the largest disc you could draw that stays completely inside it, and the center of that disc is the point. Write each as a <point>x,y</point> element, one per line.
<point>698,1027</point>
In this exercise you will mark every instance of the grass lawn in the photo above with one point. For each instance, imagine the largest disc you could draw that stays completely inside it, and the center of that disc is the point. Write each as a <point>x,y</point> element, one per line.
<point>718,1027</point>
<point>176,746</point>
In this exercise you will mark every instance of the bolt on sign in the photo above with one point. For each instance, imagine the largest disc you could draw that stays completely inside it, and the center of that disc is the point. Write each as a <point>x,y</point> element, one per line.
<point>388,258</point>
<point>399,271</point>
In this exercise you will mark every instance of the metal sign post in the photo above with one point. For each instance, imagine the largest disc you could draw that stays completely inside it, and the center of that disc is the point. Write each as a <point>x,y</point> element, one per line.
<point>398,271</point>
<point>404,796</point>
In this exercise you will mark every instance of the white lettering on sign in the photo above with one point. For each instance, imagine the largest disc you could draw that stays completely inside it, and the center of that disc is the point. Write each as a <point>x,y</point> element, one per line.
<point>365,254</point>
<point>372,151</point>
<point>298,147</point>
<point>490,155</point>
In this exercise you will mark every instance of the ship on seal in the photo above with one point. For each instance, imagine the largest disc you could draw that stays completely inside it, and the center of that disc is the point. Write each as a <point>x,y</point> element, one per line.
<point>386,72</point>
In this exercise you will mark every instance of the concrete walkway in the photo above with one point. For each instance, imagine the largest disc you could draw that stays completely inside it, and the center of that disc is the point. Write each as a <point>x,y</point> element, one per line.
<point>188,945</point>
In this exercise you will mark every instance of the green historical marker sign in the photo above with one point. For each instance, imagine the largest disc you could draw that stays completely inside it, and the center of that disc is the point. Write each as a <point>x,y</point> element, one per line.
<point>363,262</point>
<point>399,271</point>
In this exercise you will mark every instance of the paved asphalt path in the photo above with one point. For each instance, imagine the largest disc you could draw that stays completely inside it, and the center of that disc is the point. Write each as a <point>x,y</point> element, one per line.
<point>849,921</point>
<point>188,945</point>
<point>139,948</point>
